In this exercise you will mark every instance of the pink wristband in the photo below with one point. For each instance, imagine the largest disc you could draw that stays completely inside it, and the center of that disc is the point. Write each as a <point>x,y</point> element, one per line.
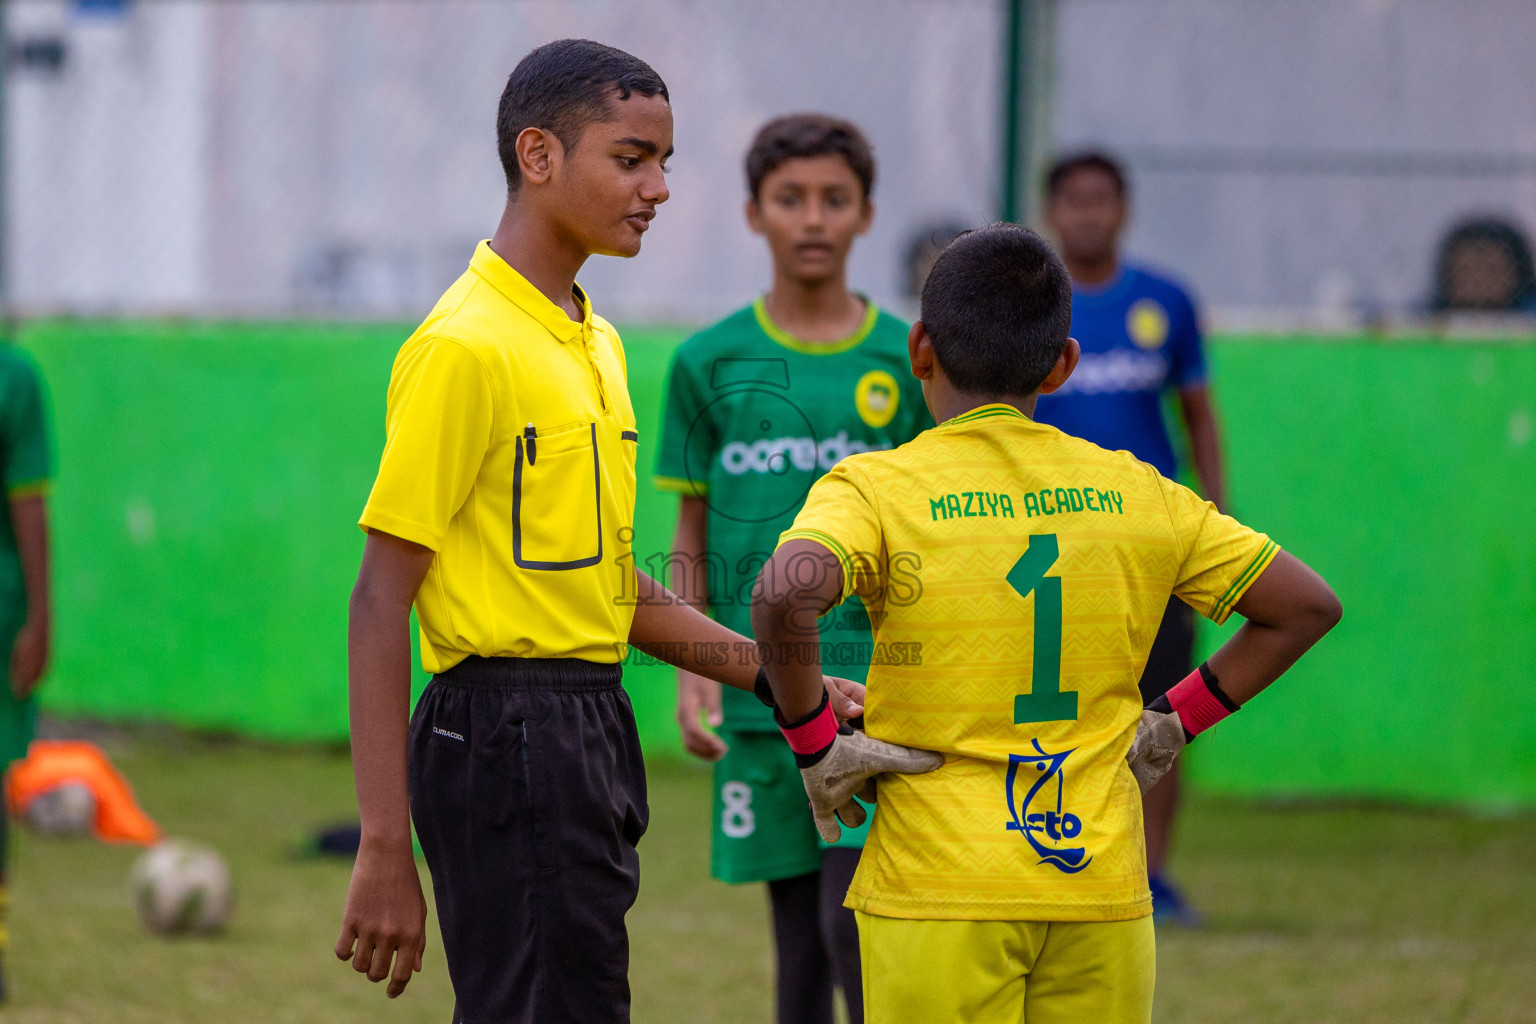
<point>1197,707</point>
<point>814,736</point>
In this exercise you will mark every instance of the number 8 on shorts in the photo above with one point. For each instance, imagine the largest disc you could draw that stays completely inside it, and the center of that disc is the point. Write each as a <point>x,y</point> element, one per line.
<point>736,819</point>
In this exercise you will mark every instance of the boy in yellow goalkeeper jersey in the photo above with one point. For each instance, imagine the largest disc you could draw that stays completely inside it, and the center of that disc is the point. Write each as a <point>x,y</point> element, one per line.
<point>1011,884</point>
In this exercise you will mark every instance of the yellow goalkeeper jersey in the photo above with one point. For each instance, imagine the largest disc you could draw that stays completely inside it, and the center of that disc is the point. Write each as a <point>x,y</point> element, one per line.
<point>1015,578</point>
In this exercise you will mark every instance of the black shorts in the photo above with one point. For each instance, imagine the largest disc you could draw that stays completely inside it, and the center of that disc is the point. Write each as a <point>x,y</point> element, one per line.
<point>528,795</point>
<point>1173,652</point>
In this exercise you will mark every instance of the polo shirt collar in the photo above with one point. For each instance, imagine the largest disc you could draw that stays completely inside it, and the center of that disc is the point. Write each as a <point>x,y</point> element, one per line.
<point>499,274</point>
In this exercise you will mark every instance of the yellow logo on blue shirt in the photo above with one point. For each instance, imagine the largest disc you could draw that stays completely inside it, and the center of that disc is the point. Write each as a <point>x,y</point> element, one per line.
<point>876,396</point>
<point>1147,324</point>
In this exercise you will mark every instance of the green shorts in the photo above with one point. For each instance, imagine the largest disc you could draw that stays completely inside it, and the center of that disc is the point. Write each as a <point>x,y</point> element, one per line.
<point>762,821</point>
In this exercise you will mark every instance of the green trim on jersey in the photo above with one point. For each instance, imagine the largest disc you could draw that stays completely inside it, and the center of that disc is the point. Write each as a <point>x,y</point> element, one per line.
<point>681,485</point>
<point>814,348</point>
<point>986,412</point>
<point>1240,585</point>
<point>826,540</point>
<point>29,489</point>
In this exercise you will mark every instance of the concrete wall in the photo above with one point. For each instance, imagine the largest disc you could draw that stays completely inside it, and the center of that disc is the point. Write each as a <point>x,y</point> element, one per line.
<point>344,152</point>
<point>337,156</point>
<point>1308,153</point>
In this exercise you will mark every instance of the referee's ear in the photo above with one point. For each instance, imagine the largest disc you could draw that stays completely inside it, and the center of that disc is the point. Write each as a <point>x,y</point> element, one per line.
<point>1065,364</point>
<point>536,151</point>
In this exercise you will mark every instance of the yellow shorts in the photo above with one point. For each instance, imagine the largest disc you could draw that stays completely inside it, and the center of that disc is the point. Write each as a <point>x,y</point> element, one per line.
<point>1007,972</point>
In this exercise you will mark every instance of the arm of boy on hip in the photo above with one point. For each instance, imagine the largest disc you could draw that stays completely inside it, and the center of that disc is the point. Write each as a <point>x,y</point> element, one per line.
<point>697,696</point>
<point>386,913</point>
<point>1287,609</point>
<point>25,467</point>
<point>834,765</point>
<point>34,641</point>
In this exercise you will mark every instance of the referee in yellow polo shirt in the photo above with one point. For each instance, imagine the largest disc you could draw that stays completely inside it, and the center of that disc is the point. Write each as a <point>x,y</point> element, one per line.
<point>503,509</point>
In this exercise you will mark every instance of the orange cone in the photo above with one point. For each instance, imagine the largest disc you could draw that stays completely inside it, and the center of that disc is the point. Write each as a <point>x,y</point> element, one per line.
<point>52,763</point>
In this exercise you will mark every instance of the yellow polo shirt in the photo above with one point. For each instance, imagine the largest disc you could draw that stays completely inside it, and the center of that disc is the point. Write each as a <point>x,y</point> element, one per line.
<point>511,454</point>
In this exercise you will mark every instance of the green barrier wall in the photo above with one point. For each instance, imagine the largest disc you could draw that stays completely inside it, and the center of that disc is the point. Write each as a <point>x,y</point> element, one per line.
<point>1406,474</point>
<point>211,476</point>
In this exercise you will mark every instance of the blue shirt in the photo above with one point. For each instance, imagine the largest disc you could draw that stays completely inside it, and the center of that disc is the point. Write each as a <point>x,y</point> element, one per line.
<point>1140,336</point>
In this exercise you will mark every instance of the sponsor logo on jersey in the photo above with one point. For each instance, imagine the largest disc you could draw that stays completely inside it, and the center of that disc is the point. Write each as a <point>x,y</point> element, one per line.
<point>778,455</point>
<point>1147,324</point>
<point>876,396</point>
<point>1041,816</point>
<point>1101,373</point>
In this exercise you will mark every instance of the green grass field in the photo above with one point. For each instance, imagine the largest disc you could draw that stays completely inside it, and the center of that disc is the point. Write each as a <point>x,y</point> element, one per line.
<point>1348,915</point>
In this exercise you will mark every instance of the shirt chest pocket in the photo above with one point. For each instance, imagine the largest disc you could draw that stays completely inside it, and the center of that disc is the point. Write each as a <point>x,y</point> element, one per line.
<point>557,518</point>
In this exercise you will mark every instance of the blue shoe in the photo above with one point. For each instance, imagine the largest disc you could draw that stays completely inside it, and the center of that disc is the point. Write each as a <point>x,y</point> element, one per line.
<point>1169,906</point>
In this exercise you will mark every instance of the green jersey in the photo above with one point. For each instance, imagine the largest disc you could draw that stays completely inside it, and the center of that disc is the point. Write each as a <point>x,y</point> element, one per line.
<point>754,417</point>
<point>24,468</point>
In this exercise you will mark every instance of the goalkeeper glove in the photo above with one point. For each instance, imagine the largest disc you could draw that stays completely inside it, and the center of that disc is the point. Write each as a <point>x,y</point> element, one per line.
<point>838,763</point>
<point>1192,706</point>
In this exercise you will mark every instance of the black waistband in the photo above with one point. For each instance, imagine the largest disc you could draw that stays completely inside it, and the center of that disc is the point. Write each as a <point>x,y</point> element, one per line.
<point>569,674</point>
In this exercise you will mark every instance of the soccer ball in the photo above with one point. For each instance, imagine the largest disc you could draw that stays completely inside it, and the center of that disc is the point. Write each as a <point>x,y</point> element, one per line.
<point>179,888</point>
<point>65,810</point>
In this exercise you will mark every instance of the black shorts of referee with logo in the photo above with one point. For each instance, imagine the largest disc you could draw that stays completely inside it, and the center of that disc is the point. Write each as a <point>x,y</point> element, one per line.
<point>528,794</point>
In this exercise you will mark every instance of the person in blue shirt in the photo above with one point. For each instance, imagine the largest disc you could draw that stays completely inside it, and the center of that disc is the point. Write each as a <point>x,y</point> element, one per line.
<point>1140,338</point>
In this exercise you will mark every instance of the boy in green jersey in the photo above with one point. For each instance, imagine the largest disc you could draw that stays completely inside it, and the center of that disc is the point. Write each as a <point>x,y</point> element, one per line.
<point>25,622</point>
<point>759,406</point>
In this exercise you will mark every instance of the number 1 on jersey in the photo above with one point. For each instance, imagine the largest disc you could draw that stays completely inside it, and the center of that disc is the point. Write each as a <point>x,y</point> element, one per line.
<point>1045,702</point>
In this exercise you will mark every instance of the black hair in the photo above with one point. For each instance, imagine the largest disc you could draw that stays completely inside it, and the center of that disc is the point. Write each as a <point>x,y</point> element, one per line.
<point>997,306</point>
<point>1063,167</point>
<point>1501,233</point>
<point>924,247</point>
<point>562,87</point>
<point>800,135</point>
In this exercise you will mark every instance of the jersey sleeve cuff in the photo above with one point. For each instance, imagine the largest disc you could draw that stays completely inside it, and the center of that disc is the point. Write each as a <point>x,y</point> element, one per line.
<point>398,526</point>
<point>680,485</point>
<point>833,545</point>
<point>1223,607</point>
<point>29,489</point>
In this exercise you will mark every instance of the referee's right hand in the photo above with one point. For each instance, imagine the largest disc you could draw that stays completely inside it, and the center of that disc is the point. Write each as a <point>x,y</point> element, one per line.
<point>386,915</point>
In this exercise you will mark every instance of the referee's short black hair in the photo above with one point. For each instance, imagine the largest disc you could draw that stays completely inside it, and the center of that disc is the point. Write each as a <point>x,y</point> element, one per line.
<point>801,135</point>
<point>997,307</point>
<point>562,87</point>
<point>1064,167</point>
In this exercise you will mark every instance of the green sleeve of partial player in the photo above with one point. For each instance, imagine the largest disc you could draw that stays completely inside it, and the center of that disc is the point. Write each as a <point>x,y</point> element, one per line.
<point>688,440</point>
<point>24,421</point>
